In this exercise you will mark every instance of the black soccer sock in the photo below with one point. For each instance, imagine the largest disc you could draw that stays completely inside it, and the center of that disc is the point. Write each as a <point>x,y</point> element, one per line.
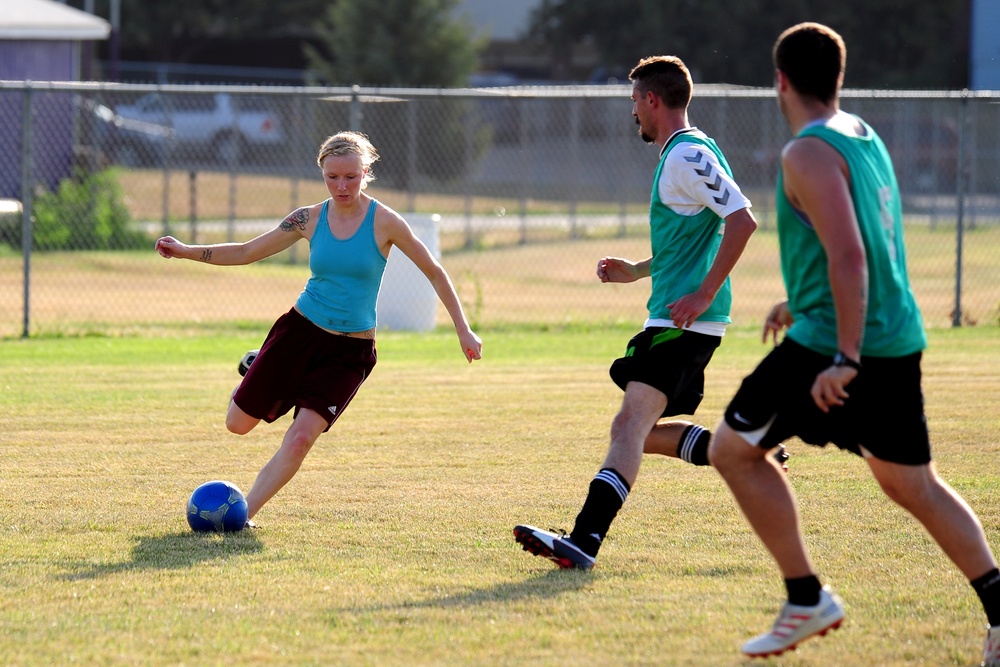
<point>804,591</point>
<point>987,587</point>
<point>608,491</point>
<point>693,446</point>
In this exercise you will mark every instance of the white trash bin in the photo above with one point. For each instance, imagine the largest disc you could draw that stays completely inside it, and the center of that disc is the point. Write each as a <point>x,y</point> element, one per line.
<point>407,301</point>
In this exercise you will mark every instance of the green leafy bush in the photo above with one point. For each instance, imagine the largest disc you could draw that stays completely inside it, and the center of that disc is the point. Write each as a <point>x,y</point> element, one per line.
<point>86,212</point>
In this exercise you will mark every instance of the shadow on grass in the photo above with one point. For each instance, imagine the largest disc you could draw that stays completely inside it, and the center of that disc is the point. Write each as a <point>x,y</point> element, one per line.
<point>171,552</point>
<point>549,585</point>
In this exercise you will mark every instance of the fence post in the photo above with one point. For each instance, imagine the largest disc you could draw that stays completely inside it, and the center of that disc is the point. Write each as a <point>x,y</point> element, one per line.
<point>354,119</point>
<point>166,199</point>
<point>26,203</point>
<point>611,129</point>
<point>524,191</point>
<point>231,163</point>
<point>165,164</point>
<point>231,219</point>
<point>574,152</point>
<point>467,178</point>
<point>411,154</point>
<point>293,252</point>
<point>956,314</point>
<point>193,203</point>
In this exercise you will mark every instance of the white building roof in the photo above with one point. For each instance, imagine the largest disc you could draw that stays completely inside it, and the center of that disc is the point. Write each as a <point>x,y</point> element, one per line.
<point>48,20</point>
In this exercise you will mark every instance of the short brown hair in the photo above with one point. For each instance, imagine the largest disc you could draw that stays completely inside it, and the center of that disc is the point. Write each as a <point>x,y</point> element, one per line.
<point>666,77</point>
<point>813,57</point>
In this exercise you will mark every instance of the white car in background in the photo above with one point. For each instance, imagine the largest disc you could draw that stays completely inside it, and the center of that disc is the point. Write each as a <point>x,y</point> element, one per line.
<point>224,127</point>
<point>125,141</point>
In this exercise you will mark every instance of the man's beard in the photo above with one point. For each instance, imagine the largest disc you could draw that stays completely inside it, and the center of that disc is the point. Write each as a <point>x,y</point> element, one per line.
<point>642,135</point>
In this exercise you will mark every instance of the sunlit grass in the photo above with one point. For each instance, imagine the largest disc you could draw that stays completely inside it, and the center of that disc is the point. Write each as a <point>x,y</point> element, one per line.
<point>392,546</point>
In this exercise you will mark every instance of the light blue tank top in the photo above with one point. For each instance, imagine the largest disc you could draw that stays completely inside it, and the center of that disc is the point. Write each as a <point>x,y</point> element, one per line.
<point>346,276</point>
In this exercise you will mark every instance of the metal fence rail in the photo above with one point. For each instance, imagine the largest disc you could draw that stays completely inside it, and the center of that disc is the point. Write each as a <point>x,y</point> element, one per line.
<point>532,186</point>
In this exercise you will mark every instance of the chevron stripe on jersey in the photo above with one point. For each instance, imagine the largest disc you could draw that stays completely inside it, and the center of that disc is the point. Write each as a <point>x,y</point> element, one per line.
<point>705,169</point>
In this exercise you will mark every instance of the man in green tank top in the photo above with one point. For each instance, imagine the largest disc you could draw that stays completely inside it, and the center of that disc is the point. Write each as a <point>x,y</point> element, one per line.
<point>848,368</point>
<point>700,222</point>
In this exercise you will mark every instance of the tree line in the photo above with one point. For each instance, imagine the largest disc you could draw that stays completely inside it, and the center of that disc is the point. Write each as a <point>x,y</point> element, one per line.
<point>918,44</point>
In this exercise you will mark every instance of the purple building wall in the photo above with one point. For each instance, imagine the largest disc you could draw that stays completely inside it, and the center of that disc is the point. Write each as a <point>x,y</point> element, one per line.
<point>52,112</point>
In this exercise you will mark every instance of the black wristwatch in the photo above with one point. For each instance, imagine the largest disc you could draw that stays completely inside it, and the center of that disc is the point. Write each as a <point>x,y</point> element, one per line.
<point>841,359</point>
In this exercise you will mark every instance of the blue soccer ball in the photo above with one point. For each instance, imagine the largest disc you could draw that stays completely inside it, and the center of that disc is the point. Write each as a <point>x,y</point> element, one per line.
<point>218,507</point>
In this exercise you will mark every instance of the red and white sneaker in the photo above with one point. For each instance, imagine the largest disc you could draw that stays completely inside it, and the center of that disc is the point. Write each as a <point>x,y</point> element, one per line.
<point>557,548</point>
<point>797,623</point>
<point>991,648</point>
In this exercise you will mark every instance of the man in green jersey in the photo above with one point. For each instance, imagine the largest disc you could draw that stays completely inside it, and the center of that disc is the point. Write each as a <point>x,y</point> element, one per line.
<point>848,368</point>
<point>700,223</point>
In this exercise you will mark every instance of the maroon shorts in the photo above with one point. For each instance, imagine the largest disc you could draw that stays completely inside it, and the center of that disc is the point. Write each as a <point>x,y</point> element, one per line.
<point>302,366</point>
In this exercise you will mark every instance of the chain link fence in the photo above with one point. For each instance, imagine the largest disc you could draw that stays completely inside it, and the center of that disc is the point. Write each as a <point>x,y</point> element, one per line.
<point>524,189</point>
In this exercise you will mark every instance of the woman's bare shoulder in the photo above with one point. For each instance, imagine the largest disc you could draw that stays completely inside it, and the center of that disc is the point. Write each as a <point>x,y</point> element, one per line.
<point>301,217</point>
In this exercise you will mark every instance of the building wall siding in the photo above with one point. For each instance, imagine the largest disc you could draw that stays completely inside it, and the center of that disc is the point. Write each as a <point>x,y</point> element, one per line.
<point>52,114</point>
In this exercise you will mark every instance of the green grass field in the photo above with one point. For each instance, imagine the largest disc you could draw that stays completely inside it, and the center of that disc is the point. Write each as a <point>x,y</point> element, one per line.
<point>393,544</point>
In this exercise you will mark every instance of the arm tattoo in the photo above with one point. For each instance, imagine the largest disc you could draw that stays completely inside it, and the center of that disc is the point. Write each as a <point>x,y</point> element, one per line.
<point>296,220</point>
<point>206,255</point>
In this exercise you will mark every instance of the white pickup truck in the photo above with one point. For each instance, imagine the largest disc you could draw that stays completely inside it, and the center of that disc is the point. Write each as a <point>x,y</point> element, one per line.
<point>225,127</point>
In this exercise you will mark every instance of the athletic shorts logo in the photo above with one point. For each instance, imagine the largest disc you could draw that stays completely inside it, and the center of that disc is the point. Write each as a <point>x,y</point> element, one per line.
<point>741,419</point>
<point>333,410</point>
<point>664,336</point>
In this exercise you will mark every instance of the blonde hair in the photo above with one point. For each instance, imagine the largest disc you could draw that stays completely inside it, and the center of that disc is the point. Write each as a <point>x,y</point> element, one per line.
<point>350,143</point>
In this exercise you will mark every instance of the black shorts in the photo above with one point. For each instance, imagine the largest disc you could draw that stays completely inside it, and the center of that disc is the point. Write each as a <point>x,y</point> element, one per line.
<point>884,412</point>
<point>670,360</point>
<point>302,366</point>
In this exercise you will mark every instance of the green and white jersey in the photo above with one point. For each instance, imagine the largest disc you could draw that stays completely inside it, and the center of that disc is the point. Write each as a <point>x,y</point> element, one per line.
<point>693,191</point>
<point>893,325</point>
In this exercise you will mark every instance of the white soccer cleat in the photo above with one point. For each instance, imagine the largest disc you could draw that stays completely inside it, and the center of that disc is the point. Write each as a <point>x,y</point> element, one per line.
<point>991,648</point>
<point>797,623</point>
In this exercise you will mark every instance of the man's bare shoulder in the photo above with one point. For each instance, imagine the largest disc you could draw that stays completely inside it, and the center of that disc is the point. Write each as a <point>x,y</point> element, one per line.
<point>807,154</point>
